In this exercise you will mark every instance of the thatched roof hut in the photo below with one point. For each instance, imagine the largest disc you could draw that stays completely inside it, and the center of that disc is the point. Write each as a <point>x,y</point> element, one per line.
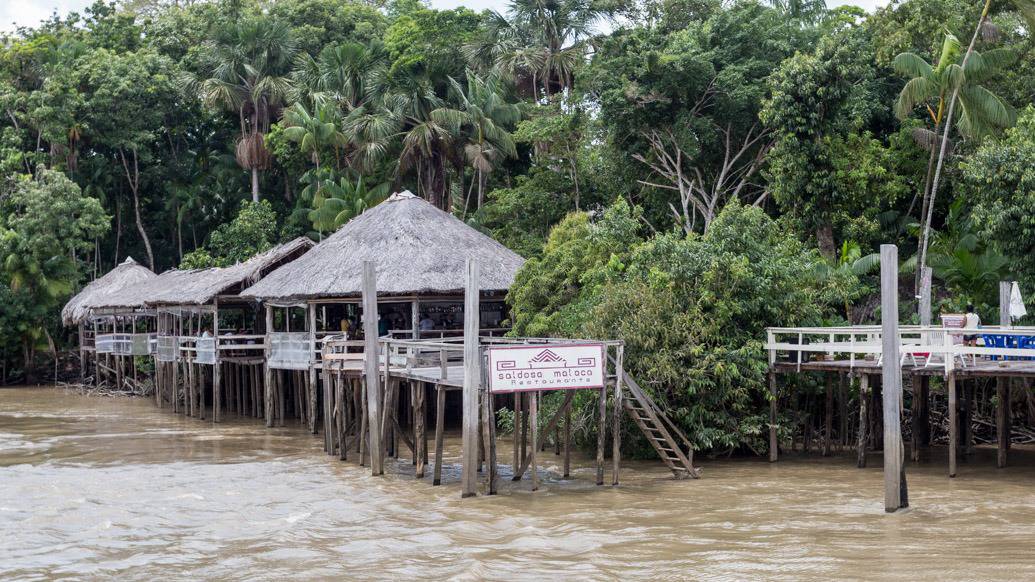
<point>201,286</point>
<point>418,250</point>
<point>127,274</point>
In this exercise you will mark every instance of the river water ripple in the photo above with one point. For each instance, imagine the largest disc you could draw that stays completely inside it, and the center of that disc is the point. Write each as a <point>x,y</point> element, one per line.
<point>114,488</point>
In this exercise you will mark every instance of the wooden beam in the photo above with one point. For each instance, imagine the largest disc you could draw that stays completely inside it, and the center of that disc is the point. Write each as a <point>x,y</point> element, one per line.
<point>370,366</point>
<point>267,373</point>
<point>472,380</point>
<point>894,484</point>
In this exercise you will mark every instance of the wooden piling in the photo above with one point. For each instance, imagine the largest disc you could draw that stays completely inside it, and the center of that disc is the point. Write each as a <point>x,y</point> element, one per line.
<point>567,440</point>
<point>472,380</point>
<point>954,427</point>
<point>533,413</point>
<point>616,418</point>
<point>892,380</point>
<point>828,421</point>
<point>373,400</point>
<point>440,421</point>
<point>601,434</point>
<point>774,443</point>
<point>864,421</point>
<point>1002,417</point>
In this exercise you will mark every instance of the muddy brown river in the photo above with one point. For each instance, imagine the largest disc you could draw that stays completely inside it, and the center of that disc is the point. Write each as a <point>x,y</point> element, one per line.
<point>95,487</point>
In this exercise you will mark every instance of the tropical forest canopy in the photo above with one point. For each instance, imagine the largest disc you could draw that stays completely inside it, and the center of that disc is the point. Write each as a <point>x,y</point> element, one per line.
<point>679,173</point>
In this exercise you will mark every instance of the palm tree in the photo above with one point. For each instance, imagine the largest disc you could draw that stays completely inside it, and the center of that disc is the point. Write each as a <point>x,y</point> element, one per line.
<point>982,112</point>
<point>346,74</point>
<point>314,133</point>
<point>246,71</point>
<point>1027,10</point>
<point>483,115</point>
<point>339,202</point>
<point>541,41</point>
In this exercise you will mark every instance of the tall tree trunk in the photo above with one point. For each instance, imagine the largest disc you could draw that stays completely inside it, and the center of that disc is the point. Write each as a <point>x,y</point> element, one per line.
<point>926,198</point>
<point>133,176</point>
<point>825,240</point>
<point>925,234</point>
<point>255,184</point>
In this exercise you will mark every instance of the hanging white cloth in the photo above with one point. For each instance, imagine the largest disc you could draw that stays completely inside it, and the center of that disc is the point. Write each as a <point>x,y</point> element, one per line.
<point>1017,309</point>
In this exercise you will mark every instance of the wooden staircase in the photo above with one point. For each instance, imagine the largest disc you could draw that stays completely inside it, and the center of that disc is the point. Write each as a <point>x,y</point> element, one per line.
<point>671,444</point>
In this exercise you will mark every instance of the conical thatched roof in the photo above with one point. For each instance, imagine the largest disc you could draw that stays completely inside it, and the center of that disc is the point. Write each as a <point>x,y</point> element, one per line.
<point>127,274</point>
<point>418,249</point>
<point>201,286</point>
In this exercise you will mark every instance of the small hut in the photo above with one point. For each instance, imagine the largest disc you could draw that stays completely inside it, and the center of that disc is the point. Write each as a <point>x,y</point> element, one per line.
<point>206,333</point>
<point>83,311</point>
<point>420,253</point>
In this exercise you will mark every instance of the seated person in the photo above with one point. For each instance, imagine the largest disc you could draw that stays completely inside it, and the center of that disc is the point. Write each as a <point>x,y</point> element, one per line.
<point>426,323</point>
<point>972,321</point>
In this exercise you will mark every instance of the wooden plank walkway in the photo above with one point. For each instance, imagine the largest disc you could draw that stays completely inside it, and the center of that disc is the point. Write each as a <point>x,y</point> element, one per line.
<point>980,368</point>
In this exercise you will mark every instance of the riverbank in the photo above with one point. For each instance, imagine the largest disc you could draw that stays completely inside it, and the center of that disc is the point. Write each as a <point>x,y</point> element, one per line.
<point>100,487</point>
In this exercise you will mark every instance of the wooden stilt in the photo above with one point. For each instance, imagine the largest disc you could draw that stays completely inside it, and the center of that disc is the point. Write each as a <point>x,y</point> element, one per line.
<point>472,380</point>
<point>567,440</point>
<point>601,434</point>
<point>950,384</point>
<point>533,411</point>
<point>828,420</point>
<point>864,420</point>
<point>373,400</point>
<point>440,421</point>
<point>774,445</point>
<point>616,418</point>
<point>894,483</point>
<point>419,433</point>
<point>489,428</point>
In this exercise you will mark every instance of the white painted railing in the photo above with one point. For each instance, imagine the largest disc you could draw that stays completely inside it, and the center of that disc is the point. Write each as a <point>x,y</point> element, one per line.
<point>919,346</point>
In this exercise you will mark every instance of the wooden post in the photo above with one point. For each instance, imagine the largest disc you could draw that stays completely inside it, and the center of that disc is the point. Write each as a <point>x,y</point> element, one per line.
<point>518,459</point>
<point>267,373</point>
<point>313,377</point>
<point>894,485</point>
<point>420,443</point>
<point>774,443</point>
<point>601,434</point>
<point>1002,417</point>
<point>864,420</point>
<point>567,440</point>
<point>533,413</point>
<point>440,421</point>
<point>616,417</point>
<point>370,366</point>
<point>217,372</point>
<point>472,380</point>
<point>489,428</point>
<point>954,427</point>
<point>828,426</point>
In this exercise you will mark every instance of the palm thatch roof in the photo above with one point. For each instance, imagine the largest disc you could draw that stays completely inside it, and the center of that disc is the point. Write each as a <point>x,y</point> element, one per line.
<point>201,286</point>
<point>418,249</point>
<point>126,274</point>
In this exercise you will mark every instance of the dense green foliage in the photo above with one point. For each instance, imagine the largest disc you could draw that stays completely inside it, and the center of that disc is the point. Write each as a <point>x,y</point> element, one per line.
<point>680,173</point>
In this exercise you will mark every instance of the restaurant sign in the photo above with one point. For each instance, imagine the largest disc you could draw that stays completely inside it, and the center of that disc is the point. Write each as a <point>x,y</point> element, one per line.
<point>546,367</point>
